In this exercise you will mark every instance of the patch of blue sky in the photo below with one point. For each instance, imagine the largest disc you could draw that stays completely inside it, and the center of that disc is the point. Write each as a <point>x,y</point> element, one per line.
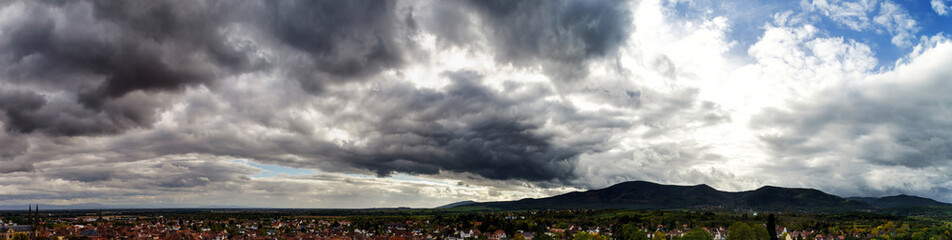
<point>879,41</point>
<point>271,170</point>
<point>406,177</point>
<point>928,24</point>
<point>747,19</point>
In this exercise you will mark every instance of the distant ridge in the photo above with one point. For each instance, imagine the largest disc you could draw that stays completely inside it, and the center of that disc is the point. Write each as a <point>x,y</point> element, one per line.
<point>456,204</point>
<point>901,201</point>
<point>96,206</point>
<point>648,195</point>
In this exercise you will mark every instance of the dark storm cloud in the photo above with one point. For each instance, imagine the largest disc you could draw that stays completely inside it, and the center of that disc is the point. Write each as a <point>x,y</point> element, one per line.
<point>17,102</point>
<point>465,128</point>
<point>63,117</point>
<point>561,35</point>
<point>342,40</point>
<point>525,28</point>
<point>495,149</point>
<point>103,68</point>
<point>491,143</point>
<point>98,52</point>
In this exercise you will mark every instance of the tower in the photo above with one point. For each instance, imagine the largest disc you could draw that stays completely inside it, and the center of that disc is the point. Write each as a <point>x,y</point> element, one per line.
<point>36,220</point>
<point>30,219</point>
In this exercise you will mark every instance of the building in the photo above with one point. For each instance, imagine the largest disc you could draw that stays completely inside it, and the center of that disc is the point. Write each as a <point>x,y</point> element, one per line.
<point>9,231</point>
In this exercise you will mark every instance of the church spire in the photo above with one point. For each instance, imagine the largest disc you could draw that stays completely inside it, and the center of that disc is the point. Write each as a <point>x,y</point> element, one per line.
<point>36,220</point>
<point>29,219</point>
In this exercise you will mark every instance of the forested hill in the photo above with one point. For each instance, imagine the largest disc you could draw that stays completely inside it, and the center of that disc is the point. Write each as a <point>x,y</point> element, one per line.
<point>901,201</point>
<point>648,195</point>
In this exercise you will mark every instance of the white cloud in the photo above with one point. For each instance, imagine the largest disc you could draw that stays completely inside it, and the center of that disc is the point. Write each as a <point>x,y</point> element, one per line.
<point>940,7</point>
<point>862,16</point>
<point>894,123</point>
<point>853,14</point>
<point>898,23</point>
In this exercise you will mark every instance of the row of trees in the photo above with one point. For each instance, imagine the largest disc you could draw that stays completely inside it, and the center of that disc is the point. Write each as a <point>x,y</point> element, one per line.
<point>631,232</point>
<point>737,231</point>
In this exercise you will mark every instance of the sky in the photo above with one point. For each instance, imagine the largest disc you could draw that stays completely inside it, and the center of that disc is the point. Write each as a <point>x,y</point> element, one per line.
<point>420,103</point>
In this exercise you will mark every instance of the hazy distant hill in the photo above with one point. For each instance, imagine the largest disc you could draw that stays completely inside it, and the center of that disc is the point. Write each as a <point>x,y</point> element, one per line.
<point>456,204</point>
<point>44,207</point>
<point>96,206</point>
<point>901,201</point>
<point>647,195</point>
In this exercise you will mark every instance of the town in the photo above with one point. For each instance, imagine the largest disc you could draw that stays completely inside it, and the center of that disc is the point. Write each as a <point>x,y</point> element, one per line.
<point>426,224</point>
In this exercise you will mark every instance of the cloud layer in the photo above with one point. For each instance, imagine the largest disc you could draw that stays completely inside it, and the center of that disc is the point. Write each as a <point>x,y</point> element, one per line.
<point>425,102</point>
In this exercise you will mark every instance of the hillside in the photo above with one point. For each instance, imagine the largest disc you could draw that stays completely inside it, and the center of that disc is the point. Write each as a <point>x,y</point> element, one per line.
<point>456,204</point>
<point>637,194</point>
<point>648,195</point>
<point>901,201</point>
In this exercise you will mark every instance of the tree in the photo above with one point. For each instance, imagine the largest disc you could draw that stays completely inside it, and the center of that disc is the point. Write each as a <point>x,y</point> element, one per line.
<point>588,236</point>
<point>639,235</point>
<point>772,226</point>
<point>519,236</point>
<point>740,231</point>
<point>542,236</point>
<point>760,232</point>
<point>697,234</point>
<point>632,232</point>
<point>659,235</point>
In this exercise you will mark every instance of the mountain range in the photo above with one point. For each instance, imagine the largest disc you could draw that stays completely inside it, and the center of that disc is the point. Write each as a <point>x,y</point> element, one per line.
<point>648,195</point>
